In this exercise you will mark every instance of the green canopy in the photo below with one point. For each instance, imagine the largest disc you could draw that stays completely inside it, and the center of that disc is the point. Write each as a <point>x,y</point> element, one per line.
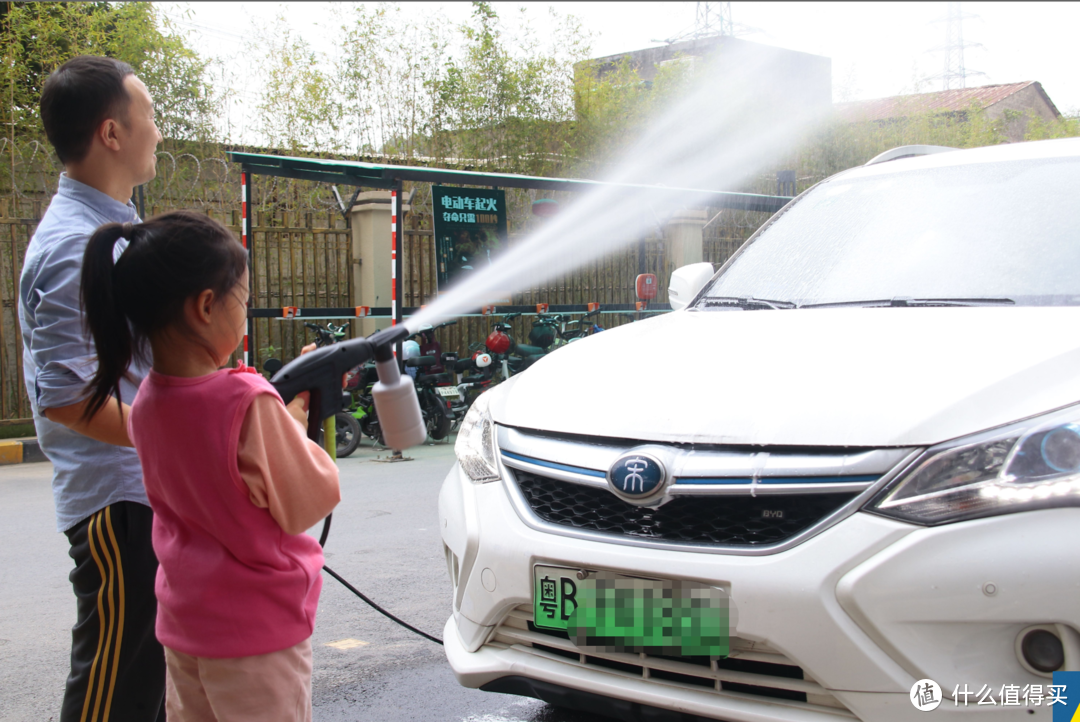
<point>378,175</point>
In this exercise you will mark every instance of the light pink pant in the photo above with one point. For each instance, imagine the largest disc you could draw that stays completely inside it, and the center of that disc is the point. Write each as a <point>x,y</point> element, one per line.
<point>273,687</point>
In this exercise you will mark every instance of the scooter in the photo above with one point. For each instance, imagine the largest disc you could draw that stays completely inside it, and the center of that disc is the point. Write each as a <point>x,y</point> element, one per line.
<point>475,378</point>
<point>585,326</point>
<point>436,415</point>
<point>511,356</point>
<point>443,402</point>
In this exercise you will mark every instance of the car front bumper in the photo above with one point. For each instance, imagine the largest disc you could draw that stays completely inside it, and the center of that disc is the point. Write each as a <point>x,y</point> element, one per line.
<point>863,609</point>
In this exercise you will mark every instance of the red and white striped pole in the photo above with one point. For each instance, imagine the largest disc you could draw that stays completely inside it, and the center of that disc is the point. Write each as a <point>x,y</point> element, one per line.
<point>393,257</point>
<point>245,232</point>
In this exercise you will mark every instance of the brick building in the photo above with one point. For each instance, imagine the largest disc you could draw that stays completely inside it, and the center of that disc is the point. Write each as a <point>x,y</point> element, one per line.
<point>1016,102</point>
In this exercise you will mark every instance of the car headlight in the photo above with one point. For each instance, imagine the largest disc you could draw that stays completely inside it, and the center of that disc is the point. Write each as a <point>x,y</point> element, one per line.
<point>1033,464</point>
<point>475,447</point>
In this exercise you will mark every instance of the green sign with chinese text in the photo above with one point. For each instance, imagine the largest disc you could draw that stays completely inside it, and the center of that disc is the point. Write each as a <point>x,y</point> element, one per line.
<point>470,229</point>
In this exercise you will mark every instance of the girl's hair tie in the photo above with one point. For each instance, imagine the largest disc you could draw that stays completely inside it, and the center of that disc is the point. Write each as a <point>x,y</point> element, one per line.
<point>127,230</point>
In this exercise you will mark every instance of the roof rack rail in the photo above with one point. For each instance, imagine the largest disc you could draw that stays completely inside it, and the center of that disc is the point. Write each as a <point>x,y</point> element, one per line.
<point>908,151</point>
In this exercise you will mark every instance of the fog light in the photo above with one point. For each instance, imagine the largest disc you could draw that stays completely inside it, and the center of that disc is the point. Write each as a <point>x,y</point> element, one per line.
<point>1042,649</point>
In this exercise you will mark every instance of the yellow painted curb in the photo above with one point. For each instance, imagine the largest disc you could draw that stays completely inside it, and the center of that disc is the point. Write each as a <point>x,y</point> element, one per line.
<point>11,452</point>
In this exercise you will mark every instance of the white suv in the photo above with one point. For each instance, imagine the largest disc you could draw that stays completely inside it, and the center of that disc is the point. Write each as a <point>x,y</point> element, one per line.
<point>862,436</point>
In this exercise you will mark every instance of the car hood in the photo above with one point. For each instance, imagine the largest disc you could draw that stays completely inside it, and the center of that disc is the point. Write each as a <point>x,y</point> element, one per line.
<point>808,377</point>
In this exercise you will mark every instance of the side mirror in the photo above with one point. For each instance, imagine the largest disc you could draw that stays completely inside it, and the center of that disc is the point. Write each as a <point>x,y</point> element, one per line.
<point>272,365</point>
<point>686,282</point>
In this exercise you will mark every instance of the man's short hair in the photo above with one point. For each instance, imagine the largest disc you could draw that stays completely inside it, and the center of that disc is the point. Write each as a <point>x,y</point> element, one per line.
<point>77,98</point>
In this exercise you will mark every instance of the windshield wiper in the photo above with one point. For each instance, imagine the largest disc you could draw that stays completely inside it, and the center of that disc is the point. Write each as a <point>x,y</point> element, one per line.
<point>904,301</point>
<point>746,302</point>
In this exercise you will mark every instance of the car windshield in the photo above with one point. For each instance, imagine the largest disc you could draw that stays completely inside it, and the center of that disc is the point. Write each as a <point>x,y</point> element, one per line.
<point>1006,232</point>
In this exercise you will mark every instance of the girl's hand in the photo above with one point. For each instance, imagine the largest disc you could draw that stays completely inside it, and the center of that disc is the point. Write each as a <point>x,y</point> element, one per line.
<point>298,408</point>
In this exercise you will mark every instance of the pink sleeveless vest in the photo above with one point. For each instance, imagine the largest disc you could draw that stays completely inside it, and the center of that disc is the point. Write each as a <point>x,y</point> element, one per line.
<point>230,583</point>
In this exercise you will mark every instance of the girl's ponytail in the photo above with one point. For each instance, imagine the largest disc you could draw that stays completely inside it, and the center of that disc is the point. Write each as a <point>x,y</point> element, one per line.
<point>103,315</point>
<point>169,259</point>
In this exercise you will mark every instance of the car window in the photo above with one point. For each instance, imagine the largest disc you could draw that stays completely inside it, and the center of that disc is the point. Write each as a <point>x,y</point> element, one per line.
<point>989,230</point>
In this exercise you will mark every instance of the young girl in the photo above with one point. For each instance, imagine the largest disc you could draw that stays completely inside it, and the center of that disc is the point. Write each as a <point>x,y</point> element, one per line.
<point>231,477</point>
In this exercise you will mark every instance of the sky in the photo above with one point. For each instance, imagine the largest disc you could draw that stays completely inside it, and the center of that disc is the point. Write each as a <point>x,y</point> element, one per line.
<point>877,49</point>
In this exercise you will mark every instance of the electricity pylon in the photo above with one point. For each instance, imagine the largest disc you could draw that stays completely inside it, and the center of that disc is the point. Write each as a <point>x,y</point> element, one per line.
<point>955,73</point>
<point>710,20</point>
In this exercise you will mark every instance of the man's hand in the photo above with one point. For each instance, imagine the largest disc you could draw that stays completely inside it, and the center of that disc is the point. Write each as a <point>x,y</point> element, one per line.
<point>109,424</point>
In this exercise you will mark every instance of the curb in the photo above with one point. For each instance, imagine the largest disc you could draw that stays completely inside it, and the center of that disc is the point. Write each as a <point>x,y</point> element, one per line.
<point>20,451</point>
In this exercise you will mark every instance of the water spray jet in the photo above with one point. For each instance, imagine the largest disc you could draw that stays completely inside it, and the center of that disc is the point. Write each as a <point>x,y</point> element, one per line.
<point>713,139</point>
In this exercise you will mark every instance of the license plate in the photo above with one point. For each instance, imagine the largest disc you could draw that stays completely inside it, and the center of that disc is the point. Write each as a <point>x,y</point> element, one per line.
<point>611,612</point>
<point>449,392</point>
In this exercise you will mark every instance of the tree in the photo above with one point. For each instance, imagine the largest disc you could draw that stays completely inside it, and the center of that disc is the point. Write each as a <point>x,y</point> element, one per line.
<point>388,74</point>
<point>40,37</point>
<point>508,101</point>
<point>297,109</point>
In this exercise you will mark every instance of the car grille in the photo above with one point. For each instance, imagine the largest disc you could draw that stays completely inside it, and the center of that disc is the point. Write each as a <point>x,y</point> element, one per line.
<point>751,671</point>
<point>727,520</point>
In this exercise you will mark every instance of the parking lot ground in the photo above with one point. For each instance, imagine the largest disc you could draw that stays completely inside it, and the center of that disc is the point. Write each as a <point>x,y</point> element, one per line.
<point>384,539</point>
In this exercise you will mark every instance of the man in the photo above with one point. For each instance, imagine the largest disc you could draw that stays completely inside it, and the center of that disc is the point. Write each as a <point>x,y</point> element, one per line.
<point>99,118</point>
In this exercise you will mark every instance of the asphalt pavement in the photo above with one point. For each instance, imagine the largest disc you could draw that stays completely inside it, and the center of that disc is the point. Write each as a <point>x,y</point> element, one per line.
<point>384,539</point>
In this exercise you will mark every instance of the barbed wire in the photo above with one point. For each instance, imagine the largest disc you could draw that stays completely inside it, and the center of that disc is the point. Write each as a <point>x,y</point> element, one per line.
<point>186,179</point>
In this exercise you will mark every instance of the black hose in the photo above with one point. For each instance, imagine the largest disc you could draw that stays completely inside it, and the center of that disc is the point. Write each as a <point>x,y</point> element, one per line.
<point>357,592</point>
<point>377,608</point>
<point>379,346</point>
<point>325,530</point>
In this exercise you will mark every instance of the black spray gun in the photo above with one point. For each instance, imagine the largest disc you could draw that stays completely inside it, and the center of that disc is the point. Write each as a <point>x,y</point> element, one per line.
<point>319,373</point>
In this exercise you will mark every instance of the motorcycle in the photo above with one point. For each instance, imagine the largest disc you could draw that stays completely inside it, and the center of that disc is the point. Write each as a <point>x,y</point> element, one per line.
<point>436,415</point>
<point>547,334</point>
<point>585,326</point>
<point>475,378</point>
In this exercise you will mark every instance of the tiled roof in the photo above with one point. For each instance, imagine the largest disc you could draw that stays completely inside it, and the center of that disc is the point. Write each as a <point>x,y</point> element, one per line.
<point>943,101</point>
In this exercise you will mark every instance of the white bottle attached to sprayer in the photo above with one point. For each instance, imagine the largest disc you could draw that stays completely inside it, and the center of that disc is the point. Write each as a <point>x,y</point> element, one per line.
<point>320,373</point>
<point>396,403</point>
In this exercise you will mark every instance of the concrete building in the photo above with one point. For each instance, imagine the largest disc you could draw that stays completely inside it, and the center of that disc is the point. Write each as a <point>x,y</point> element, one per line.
<point>1026,100</point>
<point>791,78</point>
<point>761,80</point>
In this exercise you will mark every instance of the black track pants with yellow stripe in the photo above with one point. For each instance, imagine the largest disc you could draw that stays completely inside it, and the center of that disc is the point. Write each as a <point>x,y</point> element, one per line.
<point>117,664</point>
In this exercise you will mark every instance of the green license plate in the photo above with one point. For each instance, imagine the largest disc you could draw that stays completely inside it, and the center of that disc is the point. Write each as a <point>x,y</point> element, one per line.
<point>614,613</point>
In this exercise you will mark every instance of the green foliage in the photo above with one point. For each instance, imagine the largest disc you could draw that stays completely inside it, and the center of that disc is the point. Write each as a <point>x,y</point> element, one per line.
<point>508,100</point>
<point>410,86</point>
<point>614,106</point>
<point>611,105</point>
<point>843,144</point>
<point>388,77</point>
<point>296,110</point>
<point>1063,127</point>
<point>406,85</point>
<point>17,431</point>
<point>39,37</point>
